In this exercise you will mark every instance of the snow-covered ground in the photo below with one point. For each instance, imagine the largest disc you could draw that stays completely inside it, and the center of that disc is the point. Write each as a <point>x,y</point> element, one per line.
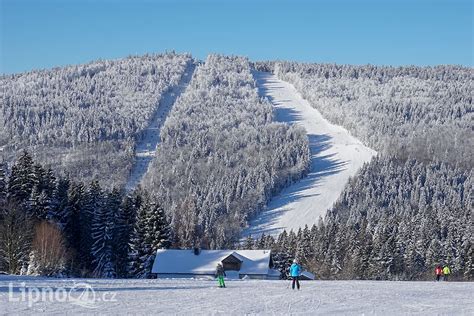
<point>335,156</point>
<point>146,148</point>
<point>240,297</point>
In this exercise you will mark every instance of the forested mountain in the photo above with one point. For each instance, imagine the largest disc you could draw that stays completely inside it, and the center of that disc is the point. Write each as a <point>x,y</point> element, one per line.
<point>411,208</point>
<point>221,157</point>
<point>400,111</point>
<point>85,119</point>
<point>220,160</point>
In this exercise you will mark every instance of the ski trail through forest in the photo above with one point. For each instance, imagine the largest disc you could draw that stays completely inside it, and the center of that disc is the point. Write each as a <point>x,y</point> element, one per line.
<point>146,147</point>
<point>335,156</point>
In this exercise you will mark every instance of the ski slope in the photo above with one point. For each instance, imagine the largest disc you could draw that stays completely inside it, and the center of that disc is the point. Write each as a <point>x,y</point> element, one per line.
<point>335,156</point>
<point>240,297</point>
<point>146,147</point>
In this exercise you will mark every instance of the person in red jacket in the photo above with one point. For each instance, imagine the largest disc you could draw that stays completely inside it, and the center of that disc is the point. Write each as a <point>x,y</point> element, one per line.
<point>438,272</point>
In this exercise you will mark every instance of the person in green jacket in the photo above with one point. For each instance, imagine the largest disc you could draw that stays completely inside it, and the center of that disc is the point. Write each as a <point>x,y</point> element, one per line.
<point>220,273</point>
<point>446,272</point>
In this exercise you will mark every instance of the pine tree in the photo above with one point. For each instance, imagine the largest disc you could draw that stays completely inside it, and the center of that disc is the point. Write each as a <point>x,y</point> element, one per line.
<point>152,232</point>
<point>103,233</point>
<point>3,185</point>
<point>92,206</point>
<point>22,179</point>
<point>158,232</point>
<point>139,249</point>
<point>72,224</point>
<point>248,243</point>
<point>59,211</point>
<point>124,226</point>
<point>39,203</point>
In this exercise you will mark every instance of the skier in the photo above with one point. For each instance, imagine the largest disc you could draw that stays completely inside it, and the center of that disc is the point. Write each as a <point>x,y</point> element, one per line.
<point>438,272</point>
<point>295,271</point>
<point>446,272</point>
<point>220,273</point>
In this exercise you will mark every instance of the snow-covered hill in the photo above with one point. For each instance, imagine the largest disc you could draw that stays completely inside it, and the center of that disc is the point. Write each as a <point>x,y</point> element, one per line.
<point>240,297</point>
<point>146,147</point>
<point>335,156</point>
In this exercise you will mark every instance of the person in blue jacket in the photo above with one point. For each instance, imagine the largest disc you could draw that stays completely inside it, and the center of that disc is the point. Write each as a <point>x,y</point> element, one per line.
<point>295,271</point>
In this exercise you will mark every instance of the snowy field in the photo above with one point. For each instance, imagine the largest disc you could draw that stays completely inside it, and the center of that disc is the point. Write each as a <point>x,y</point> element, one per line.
<point>241,297</point>
<point>335,156</point>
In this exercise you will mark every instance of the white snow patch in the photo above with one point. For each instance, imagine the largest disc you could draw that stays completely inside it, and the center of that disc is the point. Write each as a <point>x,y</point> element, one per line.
<point>242,297</point>
<point>146,147</point>
<point>335,156</point>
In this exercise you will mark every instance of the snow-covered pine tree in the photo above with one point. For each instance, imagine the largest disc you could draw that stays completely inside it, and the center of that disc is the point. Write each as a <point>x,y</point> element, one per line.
<point>15,238</point>
<point>152,232</point>
<point>92,205</point>
<point>70,220</point>
<point>158,234</point>
<point>139,250</point>
<point>59,211</point>
<point>39,203</point>
<point>304,251</point>
<point>124,226</point>
<point>22,179</point>
<point>42,193</point>
<point>248,243</point>
<point>3,185</point>
<point>103,235</point>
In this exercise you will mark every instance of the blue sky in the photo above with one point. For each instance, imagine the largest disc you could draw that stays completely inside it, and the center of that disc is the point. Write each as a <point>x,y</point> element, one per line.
<point>43,34</point>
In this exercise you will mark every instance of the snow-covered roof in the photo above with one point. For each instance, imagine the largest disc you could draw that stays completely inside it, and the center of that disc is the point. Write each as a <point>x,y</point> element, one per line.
<point>185,261</point>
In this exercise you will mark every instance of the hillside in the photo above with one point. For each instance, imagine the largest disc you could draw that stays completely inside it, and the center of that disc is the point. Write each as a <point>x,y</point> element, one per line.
<point>422,112</point>
<point>335,157</point>
<point>222,157</point>
<point>411,207</point>
<point>240,150</point>
<point>145,148</point>
<point>85,120</point>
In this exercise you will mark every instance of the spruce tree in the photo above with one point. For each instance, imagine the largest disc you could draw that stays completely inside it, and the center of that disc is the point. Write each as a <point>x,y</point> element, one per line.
<point>22,179</point>
<point>124,226</point>
<point>59,211</point>
<point>139,250</point>
<point>71,222</point>
<point>152,232</point>
<point>3,185</point>
<point>92,206</point>
<point>103,233</point>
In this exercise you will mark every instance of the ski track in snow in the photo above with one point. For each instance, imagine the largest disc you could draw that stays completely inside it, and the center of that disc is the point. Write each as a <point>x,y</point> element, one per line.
<point>146,147</point>
<point>240,297</point>
<point>335,156</point>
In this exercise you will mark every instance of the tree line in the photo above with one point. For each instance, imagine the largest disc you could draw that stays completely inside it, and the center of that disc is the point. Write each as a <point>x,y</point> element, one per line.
<point>394,221</point>
<point>55,226</point>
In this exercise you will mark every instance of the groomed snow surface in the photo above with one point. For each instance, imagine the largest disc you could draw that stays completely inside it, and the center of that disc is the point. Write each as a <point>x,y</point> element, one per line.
<point>241,297</point>
<point>335,156</point>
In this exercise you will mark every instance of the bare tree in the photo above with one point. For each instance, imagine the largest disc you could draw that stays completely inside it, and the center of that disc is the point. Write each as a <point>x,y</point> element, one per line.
<point>48,253</point>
